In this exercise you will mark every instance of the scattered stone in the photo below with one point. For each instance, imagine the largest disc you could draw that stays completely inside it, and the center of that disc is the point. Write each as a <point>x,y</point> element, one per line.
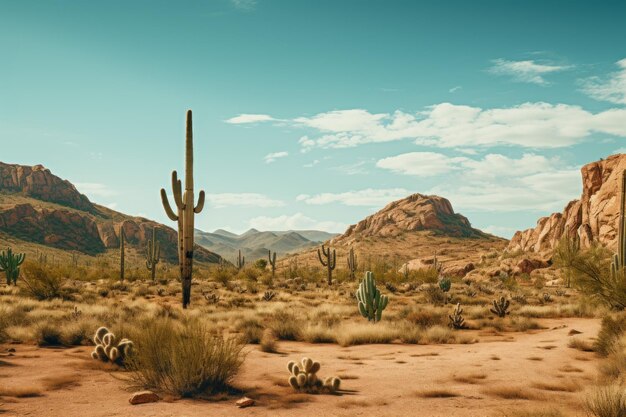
<point>573,332</point>
<point>245,402</point>
<point>143,397</point>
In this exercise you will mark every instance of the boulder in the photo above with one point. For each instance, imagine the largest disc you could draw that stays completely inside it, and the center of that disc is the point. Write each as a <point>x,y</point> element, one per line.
<point>143,397</point>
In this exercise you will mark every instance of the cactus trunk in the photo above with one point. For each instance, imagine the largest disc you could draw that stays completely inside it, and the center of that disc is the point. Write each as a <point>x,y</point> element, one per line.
<point>330,263</point>
<point>122,253</point>
<point>186,211</point>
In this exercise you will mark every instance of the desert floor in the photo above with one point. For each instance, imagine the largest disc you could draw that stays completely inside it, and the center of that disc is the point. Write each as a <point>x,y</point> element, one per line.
<point>504,374</point>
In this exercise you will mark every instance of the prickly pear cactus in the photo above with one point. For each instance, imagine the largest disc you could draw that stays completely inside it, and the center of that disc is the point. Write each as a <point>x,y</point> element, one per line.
<point>304,377</point>
<point>106,348</point>
<point>371,303</point>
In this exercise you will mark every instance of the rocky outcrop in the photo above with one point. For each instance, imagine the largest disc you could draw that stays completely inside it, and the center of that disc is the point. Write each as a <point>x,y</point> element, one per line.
<point>415,213</point>
<point>38,182</point>
<point>594,217</point>
<point>63,229</point>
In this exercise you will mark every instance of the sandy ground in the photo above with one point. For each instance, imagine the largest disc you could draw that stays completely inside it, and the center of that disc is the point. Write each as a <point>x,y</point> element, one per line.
<point>389,380</point>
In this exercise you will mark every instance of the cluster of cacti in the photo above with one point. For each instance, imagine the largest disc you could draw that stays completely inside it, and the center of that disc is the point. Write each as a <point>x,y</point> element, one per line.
<point>211,298</point>
<point>185,203</point>
<point>500,307</point>
<point>330,263</point>
<point>153,254</point>
<point>272,260</point>
<point>106,348</point>
<point>456,319</point>
<point>352,263</point>
<point>121,253</point>
<point>371,303</point>
<point>241,260</point>
<point>10,264</point>
<point>268,295</point>
<point>619,258</point>
<point>304,377</point>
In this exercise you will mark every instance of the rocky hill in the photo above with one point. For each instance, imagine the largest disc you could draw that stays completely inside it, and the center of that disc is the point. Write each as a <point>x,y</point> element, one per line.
<point>594,217</point>
<point>414,213</point>
<point>38,207</point>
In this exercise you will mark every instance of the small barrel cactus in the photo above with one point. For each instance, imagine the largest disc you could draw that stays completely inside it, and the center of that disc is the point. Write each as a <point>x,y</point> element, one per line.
<point>304,377</point>
<point>106,348</point>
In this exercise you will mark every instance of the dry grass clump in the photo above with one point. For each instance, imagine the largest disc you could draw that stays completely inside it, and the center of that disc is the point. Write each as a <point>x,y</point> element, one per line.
<point>511,393</point>
<point>366,333</point>
<point>581,344</point>
<point>49,334</point>
<point>286,325</point>
<point>612,328</point>
<point>183,359</point>
<point>471,378</point>
<point>437,393</point>
<point>559,386</point>
<point>20,391</point>
<point>532,413</point>
<point>607,401</point>
<point>268,341</point>
<point>57,382</point>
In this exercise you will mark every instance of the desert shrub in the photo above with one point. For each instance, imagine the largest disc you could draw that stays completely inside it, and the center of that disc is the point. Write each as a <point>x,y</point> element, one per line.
<point>608,401</point>
<point>285,325</point>
<point>268,341</point>
<point>42,284</point>
<point>49,334</point>
<point>435,295</point>
<point>427,317</point>
<point>610,331</point>
<point>183,359</point>
<point>223,276</point>
<point>426,275</point>
<point>260,264</point>
<point>251,331</point>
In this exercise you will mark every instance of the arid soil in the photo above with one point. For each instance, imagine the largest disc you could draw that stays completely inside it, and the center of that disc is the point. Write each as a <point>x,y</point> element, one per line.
<point>499,376</point>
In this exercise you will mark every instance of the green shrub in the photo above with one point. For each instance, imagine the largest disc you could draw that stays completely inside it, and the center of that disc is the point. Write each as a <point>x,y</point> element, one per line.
<point>42,284</point>
<point>184,360</point>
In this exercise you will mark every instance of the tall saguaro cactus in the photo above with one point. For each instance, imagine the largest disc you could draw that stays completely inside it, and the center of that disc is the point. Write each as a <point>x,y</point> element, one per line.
<point>241,260</point>
<point>153,254</point>
<point>121,253</point>
<point>330,263</point>
<point>185,213</point>
<point>10,265</point>
<point>272,261</point>
<point>352,263</point>
<point>619,258</point>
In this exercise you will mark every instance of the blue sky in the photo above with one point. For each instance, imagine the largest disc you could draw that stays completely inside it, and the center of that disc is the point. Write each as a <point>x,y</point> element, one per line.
<point>316,114</point>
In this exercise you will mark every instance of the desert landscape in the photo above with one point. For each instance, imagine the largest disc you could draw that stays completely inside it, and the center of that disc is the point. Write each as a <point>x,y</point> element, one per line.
<point>336,274</point>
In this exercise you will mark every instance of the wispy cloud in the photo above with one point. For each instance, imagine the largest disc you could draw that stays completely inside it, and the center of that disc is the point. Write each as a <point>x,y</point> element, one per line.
<point>244,5</point>
<point>222,200</point>
<point>249,118</point>
<point>527,71</point>
<point>93,189</point>
<point>611,88</point>
<point>357,168</point>
<point>496,182</point>
<point>455,89</point>
<point>368,197</point>
<point>272,157</point>
<point>297,221</point>
<point>311,164</point>
<point>447,125</point>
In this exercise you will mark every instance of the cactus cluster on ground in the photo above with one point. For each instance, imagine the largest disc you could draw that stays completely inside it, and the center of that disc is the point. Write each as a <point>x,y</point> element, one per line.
<point>370,302</point>
<point>500,307</point>
<point>304,377</point>
<point>10,264</point>
<point>107,350</point>
<point>186,210</point>
<point>456,319</point>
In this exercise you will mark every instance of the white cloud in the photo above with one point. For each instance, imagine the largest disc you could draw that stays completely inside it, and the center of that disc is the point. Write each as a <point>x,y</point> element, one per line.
<point>249,118</point>
<point>421,164</point>
<point>446,125</point>
<point>311,164</point>
<point>611,89</point>
<point>93,189</point>
<point>242,199</point>
<point>366,197</point>
<point>501,231</point>
<point>525,71</point>
<point>245,5</point>
<point>496,182</point>
<point>358,168</point>
<point>272,157</point>
<point>455,89</point>
<point>296,221</point>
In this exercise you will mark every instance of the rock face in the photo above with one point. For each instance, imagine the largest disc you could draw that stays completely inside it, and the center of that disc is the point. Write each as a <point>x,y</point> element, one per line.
<point>415,213</point>
<point>82,226</point>
<point>38,182</point>
<point>594,217</point>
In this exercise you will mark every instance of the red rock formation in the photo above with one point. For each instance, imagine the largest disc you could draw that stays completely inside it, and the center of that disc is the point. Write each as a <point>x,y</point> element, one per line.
<point>594,217</point>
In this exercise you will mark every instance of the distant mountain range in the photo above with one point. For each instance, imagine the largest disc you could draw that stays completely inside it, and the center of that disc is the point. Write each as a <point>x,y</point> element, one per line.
<point>255,244</point>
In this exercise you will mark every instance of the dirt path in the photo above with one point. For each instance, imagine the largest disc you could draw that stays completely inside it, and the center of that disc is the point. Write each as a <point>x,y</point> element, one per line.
<point>390,380</point>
